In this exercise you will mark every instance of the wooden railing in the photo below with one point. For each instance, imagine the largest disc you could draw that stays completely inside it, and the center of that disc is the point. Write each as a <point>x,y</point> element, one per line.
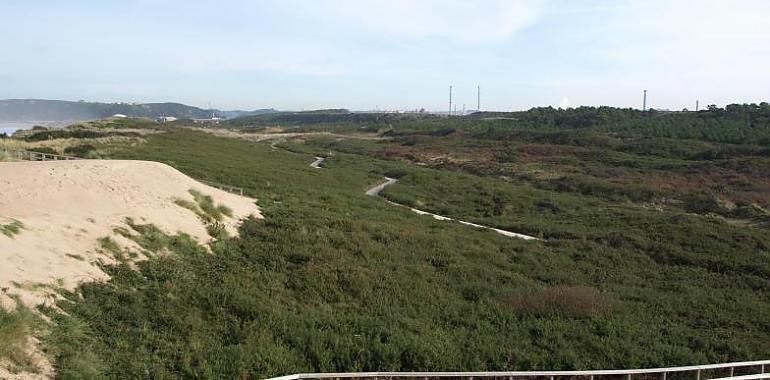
<point>754,370</point>
<point>27,155</point>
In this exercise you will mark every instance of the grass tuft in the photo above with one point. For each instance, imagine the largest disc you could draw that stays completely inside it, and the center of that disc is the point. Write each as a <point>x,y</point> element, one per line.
<point>12,228</point>
<point>15,328</point>
<point>203,206</point>
<point>206,204</point>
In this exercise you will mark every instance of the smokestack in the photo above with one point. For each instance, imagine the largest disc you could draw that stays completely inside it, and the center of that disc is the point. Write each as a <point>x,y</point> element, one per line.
<point>478,98</point>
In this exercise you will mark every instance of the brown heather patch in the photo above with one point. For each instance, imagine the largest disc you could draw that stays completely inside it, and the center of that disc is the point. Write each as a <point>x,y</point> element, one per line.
<point>568,300</point>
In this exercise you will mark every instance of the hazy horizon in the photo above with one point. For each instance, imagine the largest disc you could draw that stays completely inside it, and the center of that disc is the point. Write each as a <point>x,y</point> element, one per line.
<point>387,55</point>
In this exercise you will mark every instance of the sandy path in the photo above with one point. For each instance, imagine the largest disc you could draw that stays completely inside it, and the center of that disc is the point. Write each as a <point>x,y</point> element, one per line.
<point>375,191</point>
<point>317,163</point>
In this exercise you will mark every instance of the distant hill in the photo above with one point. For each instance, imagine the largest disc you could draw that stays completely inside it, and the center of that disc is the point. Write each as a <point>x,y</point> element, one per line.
<point>60,110</point>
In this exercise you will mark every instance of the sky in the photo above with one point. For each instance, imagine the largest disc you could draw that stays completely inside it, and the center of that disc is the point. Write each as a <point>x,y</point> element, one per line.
<point>387,54</point>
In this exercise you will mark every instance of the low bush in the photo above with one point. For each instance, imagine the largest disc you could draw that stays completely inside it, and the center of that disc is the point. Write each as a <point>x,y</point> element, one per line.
<point>508,155</point>
<point>702,203</point>
<point>15,328</point>
<point>11,228</point>
<point>83,150</point>
<point>210,210</point>
<point>570,301</point>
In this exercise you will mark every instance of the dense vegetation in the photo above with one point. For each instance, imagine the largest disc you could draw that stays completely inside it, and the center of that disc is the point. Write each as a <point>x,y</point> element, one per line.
<point>614,154</point>
<point>73,134</point>
<point>333,280</point>
<point>334,117</point>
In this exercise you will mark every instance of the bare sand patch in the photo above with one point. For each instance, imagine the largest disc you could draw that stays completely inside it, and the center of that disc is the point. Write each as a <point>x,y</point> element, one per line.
<point>64,207</point>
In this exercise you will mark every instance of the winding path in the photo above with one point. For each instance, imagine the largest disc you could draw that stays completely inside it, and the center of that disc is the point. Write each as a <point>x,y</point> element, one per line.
<point>375,191</point>
<point>317,163</point>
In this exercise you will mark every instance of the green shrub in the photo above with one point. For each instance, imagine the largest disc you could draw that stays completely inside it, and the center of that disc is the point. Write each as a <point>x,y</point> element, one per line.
<point>12,228</point>
<point>83,150</point>
<point>16,327</point>
<point>570,301</point>
<point>206,204</point>
<point>702,203</point>
<point>508,155</point>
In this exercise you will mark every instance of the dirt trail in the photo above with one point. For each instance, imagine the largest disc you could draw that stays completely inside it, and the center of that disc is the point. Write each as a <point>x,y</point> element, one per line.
<point>375,191</point>
<point>317,163</point>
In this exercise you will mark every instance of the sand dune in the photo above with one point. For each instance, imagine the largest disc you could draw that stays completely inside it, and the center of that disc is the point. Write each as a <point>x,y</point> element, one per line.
<point>66,206</point>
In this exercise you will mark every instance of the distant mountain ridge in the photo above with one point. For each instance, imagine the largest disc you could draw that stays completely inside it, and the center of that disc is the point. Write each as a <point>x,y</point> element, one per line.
<point>62,110</point>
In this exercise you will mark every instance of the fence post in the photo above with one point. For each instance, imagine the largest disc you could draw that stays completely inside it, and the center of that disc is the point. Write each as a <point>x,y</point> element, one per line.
<point>664,375</point>
<point>698,377</point>
<point>732,371</point>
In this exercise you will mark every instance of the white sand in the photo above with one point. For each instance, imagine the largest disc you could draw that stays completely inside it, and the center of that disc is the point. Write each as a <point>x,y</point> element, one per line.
<point>66,206</point>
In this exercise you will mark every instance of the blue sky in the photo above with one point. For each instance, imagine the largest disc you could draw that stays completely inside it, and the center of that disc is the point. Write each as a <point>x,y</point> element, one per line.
<point>387,54</point>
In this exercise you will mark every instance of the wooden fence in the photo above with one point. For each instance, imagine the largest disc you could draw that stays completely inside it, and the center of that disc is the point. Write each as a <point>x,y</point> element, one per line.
<point>26,155</point>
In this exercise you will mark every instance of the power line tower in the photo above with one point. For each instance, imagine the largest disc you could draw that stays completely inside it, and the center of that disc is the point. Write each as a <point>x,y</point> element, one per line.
<point>450,100</point>
<point>644,102</point>
<point>697,105</point>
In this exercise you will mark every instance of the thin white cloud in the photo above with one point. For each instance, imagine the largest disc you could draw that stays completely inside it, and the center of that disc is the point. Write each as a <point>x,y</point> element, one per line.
<point>464,21</point>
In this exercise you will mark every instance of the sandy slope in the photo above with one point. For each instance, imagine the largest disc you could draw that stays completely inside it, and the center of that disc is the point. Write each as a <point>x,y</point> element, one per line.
<point>66,206</point>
